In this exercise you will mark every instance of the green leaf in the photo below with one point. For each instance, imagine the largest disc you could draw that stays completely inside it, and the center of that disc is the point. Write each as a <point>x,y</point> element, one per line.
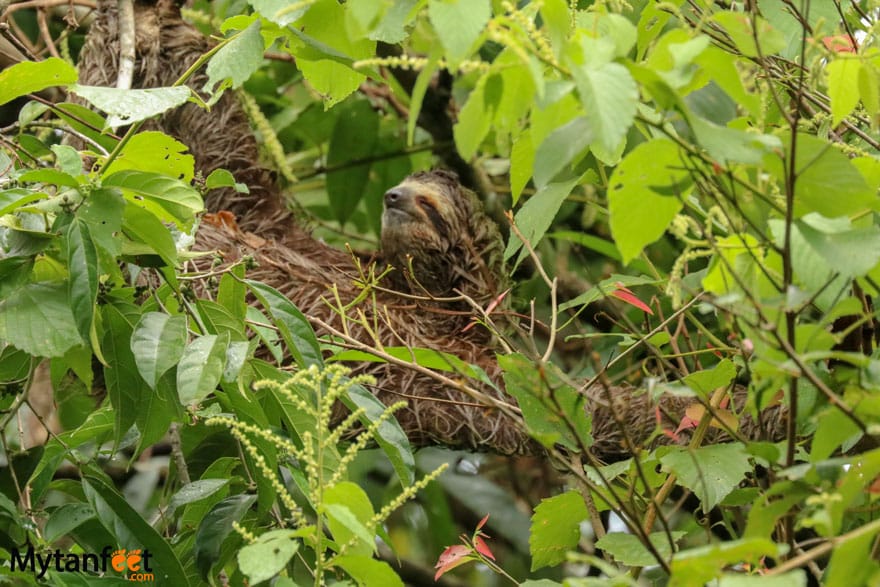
<point>851,251</point>
<point>711,472</point>
<point>326,54</point>
<point>796,578</point>
<point>222,178</point>
<point>133,532</point>
<point>557,23</point>
<point>66,519</point>
<point>556,529</point>
<point>231,293</point>
<point>37,319</point>
<point>201,367</point>
<point>475,117</point>
<point>645,192</point>
<point>265,558</point>
<point>536,215</point>
<point>550,407</point>
<point>609,96</point>
<point>390,436</point>
<point>708,380</point>
<point>50,176</point>
<point>833,429</point>
<point>28,77</point>
<point>295,329</point>
<point>822,170</point>
<point>236,60</point>
<point>730,145</point>
<point>125,107</point>
<point>279,11</point>
<point>354,137</point>
<point>165,197</point>
<point>368,571</point>
<point>744,28</point>
<point>522,160</point>
<point>561,148</point>
<point>430,358</point>
<point>82,286</point>
<point>147,234</point>
<point>702,564</point>
<point>216,526</point>
<point>628,549</point>
<point>158,342</point>
<point>349,515</point>
<point>458,24</point>
<point>155,152</point>
<point>843,86</point>
<point>197,491</point>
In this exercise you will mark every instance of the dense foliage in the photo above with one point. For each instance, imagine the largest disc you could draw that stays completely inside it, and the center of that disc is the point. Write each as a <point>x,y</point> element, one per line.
<point>703,176</point>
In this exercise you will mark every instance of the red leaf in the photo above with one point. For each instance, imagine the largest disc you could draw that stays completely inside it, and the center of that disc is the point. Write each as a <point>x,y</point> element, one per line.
<point>452,557</point>
<point>483,548</point>
<point>839,44</point>
<point>623,294</point>
<point>482,522</point>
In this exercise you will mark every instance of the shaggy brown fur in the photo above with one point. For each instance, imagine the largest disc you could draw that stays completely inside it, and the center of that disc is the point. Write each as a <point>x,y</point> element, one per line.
<point>432,226</point>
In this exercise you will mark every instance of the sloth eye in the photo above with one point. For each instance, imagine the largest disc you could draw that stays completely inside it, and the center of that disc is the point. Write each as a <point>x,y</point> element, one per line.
<point>425,202</point>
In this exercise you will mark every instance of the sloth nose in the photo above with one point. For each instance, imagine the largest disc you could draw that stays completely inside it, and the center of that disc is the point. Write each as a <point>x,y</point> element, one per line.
<point>394,197</point>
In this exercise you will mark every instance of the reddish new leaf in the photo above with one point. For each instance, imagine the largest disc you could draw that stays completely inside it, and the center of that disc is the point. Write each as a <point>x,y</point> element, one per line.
<point>624,294</point>
<point>482,522</point>
<point>452,557</point>
<point>839,43</point>
<point>483,548</point>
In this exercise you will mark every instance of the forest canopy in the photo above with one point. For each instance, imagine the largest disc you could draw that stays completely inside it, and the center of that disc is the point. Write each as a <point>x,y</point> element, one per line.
<point>625,335</point>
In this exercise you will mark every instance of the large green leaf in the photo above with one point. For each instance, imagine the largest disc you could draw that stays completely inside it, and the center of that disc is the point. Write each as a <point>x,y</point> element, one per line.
<point>147,235</point>
<point>475,117</point>
<point>268,555</point>
<point>125,387</point>
<point>843,84</point>
<point>216,526</point>
<point>37,319</point>
<point>561,148</point>
<point>102,211</point>
<point>28,77</point>
<point>281,12</point>
<point>556,528</point>
<point>166,197</point>
<point>458,23</point>
<point>610,96</point>
<point>553,411</point>
<point>851,251</point>
<point>354,137</point>
<point>349,513</point>
<point>201,367</point>
<point>291,323</point>
<point>234,63</point>
<point>155,152</point>
<point>133,532</point>
<point>368,571</point>
<point>645,192</point>
<point>125,107</point>
<point>711,472</point>
<point>628,549</point>
<point>82,286</point>
<point>158,342</point>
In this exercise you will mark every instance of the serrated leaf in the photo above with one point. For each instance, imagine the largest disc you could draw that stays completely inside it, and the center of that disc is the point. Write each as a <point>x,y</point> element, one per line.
<point>326,54</point>
<point>458,24</point>
<point>843,86</point>
<point>37,319</point>
<point>157,343</point>
<point>132,532</point>
<point>82,285</point>
<point>165,197</point>
<point>28,77</point>
<point>201,367</point>
<point>155,152</point>
<point>708,380</point>
<point>609,96</point>
<point>645,193</point>
<point>292,324</point>
<point>125,107</point>
<point>475,117</point>
<point>281,12</point>
<point>265,558</point>
<point>556,528</point>
<point>711,472</point>
<point>235,61</point>
<point>547,404</point>
<point>851,251</point>
<point>629,550</point>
